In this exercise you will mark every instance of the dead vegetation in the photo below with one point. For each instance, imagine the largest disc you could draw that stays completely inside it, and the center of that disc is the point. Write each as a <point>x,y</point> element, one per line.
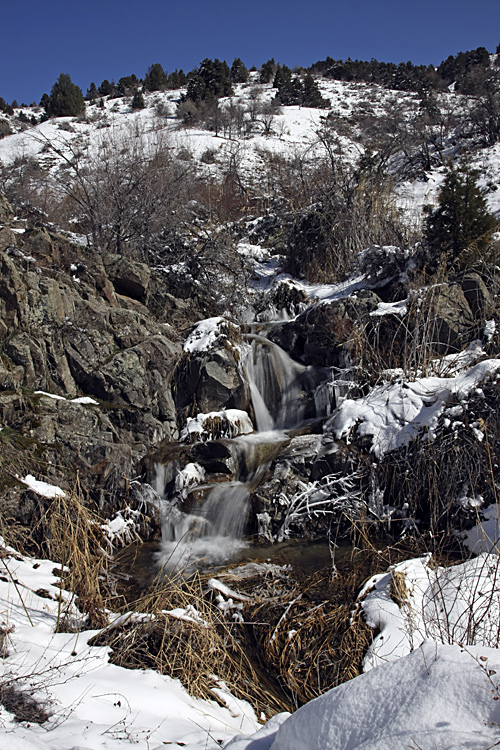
<point>275,639</point>
<point>19,702</point>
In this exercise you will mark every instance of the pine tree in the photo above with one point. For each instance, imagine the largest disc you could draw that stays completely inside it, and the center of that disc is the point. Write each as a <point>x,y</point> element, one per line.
<point>461,220</point>
<point>267,71</point>
<point>239,71</point>
<point>65,100</point>
<point>212,78</point>
<point>311,95</point>
<point>92,93</point>
<point>156,79</point>
<point>138,100</point>
<point>127,85</point>
<point>106,88</point>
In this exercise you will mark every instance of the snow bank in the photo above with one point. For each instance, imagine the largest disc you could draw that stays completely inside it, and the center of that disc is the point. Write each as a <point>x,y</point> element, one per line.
<point>93,704</point>
<point>431,675</point>
<point>394,414</point>
<point>485,536</point>
<point>436,697</point>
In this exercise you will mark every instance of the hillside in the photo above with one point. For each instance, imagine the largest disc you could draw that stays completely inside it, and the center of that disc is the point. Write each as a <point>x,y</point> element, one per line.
<point>229,328</point>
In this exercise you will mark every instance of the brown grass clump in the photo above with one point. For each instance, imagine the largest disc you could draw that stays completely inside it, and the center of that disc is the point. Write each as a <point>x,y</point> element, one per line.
<point>73,538</point>
<point>316,637</point>
<point>398,590</point>
<point>18,701</point>
<point>200,653</point>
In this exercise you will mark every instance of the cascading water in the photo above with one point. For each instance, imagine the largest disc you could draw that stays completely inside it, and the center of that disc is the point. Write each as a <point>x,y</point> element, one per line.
<point>276,385</point>
<point>213,532</point>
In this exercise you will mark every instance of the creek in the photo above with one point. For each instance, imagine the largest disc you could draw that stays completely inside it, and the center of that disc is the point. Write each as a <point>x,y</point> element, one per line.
<point>287,398</point>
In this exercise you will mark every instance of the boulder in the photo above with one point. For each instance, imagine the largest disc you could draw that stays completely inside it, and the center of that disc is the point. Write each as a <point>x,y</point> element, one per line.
<point>449,320</point>
<point>325,334</point>
<point>129,278</point>
<point>209,381</point>
<point>478,297</point>
<point>6,210</point>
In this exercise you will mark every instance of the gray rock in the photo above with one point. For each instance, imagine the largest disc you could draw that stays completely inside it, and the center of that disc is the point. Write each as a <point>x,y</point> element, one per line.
<point>478,297</point>
<point>128,277</point>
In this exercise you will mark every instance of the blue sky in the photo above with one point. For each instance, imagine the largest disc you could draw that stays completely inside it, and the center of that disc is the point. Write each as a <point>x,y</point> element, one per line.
<point>99,39</point>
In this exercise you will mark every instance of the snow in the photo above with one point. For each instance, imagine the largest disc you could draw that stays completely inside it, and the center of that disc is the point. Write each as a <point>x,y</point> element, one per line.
<point>207,334</point>
<point>436,697</point>
<point>42,488</point>
<point>390,308</point>
<point>85,400</point>
<point>485,536</point>
<point>393,414</point>
<point>228,423</point>
<point>94,704</point>
<point>431,675</point>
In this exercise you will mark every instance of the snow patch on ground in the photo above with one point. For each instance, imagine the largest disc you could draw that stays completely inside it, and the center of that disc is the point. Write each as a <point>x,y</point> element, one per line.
<point>42,488</point>
<point>94,704</point>
<point>394,414</point>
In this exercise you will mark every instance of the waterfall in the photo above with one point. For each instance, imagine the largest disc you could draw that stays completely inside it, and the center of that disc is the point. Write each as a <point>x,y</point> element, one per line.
<point>282,392</point>
<point>276,385</point>
<point>208,536</point>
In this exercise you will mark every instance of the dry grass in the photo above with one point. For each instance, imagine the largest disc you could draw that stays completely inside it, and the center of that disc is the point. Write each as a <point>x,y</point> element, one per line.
<point>313,639</point>
<point>198,653</point>
<point>74,539</point>
<point>18,701</point>
<point>67,532</point>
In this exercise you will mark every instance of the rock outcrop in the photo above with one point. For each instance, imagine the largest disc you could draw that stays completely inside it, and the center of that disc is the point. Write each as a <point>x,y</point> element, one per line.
<point>73,323</point>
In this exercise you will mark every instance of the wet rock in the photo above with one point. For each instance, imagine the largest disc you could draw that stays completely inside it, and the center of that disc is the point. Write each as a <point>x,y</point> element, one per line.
<point>324,335</point>
<point>209,381</point>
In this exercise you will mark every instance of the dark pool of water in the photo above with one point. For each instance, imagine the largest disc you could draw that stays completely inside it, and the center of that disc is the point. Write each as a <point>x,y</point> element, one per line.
<point>137,565</point>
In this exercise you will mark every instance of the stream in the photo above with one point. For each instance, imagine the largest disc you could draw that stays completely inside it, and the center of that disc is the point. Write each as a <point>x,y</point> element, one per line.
<point>284,396</point>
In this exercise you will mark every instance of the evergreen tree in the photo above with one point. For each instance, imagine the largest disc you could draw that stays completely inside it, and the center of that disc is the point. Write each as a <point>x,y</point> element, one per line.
<point>127,85</point>
<point>311,95</point>
<point>239,71</point>
<point>106,88</point>
<point>267,71</point>
<point>7,108</point>
<point>212,78</point>
<point>177,79</point>
<point>461,220</point>
<point>92,93</point>
<point>138,100</point>
<point>156,79</point>
<point>65,100</point>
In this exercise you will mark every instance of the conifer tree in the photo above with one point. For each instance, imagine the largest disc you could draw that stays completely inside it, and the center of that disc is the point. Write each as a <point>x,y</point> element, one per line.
<point>239,71</point>
<point>65,100</point>
<point>461,220</point>
<point>138,100</point>
<point>212,78</point>
<point>155,79</point>
<point>106,88</point>
<point>92,93</point>
<point>267,71</point>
